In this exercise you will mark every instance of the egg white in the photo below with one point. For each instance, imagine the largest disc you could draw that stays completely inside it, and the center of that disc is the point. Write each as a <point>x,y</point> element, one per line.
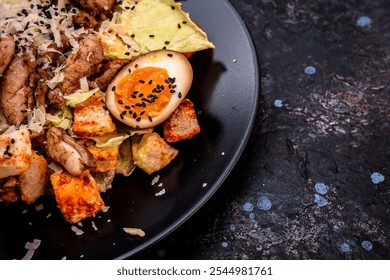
<point>177,66</point>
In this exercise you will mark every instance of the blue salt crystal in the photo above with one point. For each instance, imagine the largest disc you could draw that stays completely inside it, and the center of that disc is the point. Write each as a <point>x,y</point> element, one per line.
<point>377,178</point>
<point>264,203</point>
<point>310,70</point>
<point>248,207</point>
<point>367,245</point>
<point>278,103</point>
<point>321,188</point>
<point>225,244</point>
<point>364,21</point>
<point>252,215</point>
<point>320,200</point>
<point>345,248</point>
<point>233,227</point>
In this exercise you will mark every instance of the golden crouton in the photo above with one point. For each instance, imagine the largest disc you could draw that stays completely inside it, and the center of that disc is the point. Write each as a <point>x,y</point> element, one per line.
<point>182,124</point>
<point>33,181</point>
<point>105,157</point>
<point>152,153</point>
<point>91,118</point>
<point>15,152</point>
<point>78,197</point>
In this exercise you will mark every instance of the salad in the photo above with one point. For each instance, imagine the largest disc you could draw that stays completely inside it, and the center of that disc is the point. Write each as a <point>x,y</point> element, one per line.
<point>83,87</point>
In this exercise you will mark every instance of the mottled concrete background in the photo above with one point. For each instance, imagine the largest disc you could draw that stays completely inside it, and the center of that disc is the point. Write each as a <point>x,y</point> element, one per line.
<point>314,179</point>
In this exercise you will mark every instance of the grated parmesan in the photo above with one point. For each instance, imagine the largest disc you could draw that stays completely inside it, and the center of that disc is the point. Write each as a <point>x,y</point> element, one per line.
<point>134,231</point>
<point>77,230</point>
<point>31,247</point>
<point>37,24</point>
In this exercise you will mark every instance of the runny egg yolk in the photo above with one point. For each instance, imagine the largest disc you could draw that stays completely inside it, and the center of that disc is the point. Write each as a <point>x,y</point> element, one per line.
<point>144,93</point>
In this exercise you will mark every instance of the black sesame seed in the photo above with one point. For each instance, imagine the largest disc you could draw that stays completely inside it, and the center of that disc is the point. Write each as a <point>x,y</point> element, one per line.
<point>151,36</point>
<point>184,22</point>
<point>121,116</point>
<point>143,112</point>
<point>166,42</point>
<point>139,104</point>
<point>127,53</point>
<point>120,101</point>
<point>123,113</point>
<point>141,81</point>
<point>138,119</point>
<point>169,54</point>
<point>105,107</point>
<point>150,82</point>
<point>129,70</point>
<point>179,95</point>
<point>135,115</point>
<point>164,48</point>
<point>135,66</point>
<point>150,118</point>
<point>23,110</point>
<point>172,91</point>
<point>172,7</point>
<point>141,95</point>
<point>12,141</point>
<point>179,25</point>
<point>127,107</point>
<point>132,35</point>
<point>113,88</point>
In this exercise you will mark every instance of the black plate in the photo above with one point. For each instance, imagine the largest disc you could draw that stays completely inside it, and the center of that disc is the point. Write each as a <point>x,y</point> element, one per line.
<point>225,90</point>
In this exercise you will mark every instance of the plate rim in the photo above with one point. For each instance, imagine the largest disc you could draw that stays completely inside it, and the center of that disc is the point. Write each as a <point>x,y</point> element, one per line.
<point>228,169</point>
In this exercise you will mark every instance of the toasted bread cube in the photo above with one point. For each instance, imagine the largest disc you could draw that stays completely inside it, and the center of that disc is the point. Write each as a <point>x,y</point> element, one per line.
<point>152,153</point>
<point>182,124</point>
<point>15,152</point>
<point>78,197</point>
<point>105,157</point>
<point>33,181</point>
<point>91,118</point>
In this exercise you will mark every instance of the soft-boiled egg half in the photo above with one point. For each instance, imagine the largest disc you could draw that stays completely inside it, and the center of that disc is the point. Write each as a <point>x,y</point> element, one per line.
<point>147,91</point>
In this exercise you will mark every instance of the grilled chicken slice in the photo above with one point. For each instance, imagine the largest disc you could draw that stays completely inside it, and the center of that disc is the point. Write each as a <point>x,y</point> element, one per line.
<point>63,149</point>
<point>15,152</point>
<point>32,182</point>
<point>98,8</point>
<point>16,92</point>
<point>107,72</point>
<point>83,62</point>
<point>7,51</point>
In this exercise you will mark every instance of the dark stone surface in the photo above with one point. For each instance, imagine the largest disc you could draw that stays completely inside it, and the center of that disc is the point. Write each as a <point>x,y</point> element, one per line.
<point>333,128</point>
